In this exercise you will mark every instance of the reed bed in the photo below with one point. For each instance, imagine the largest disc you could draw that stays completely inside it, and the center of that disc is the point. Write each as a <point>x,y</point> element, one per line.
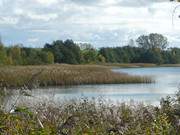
<point>90,117</point>
<point>138,65</point>
<point>131,65</point>
<point>62,75</point>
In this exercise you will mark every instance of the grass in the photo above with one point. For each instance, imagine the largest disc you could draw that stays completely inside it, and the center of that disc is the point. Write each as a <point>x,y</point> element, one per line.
<point>91,117</point>
<point>63,74</point>
<point>170,65</point>
<point>129,65</point>
<point>83,116</point>
<point>137,65</point>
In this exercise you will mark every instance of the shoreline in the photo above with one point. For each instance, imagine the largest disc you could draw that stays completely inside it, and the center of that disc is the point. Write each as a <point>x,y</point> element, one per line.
<point>137,65</point>
<point>66,75</point>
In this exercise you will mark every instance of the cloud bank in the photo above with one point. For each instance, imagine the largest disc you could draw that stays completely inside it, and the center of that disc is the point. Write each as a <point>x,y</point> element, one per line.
<point>100,22</point>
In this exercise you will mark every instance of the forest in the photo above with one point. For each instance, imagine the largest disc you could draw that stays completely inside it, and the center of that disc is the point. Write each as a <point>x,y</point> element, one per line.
<point>152,48</point>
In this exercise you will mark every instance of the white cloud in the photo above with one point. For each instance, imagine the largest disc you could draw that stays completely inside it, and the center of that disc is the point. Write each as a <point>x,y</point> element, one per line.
<point>18,11</point>
<point>32,40</point>
<point>8,20</point>
<point>101,22</point>
<point>47,2</point>
<point>42,17</point>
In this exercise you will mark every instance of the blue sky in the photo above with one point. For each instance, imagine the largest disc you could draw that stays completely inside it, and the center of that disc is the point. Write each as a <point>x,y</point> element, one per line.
<point>99,22</point>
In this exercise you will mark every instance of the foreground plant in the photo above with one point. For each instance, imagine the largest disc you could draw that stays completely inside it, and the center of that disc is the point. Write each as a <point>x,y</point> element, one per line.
<point>92,117</point>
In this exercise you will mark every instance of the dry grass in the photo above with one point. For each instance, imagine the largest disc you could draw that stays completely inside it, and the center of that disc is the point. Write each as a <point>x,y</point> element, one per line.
<point>170,65</point>
<point>138,65</point>
<point>91,117</point>
<point>130,65</point>
<point>62,74</point>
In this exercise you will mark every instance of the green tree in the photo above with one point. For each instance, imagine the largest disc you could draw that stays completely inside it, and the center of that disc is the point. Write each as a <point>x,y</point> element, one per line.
<point>15,54</point>
<point>90,55</point>
<point>108,54</point>
<point>101,58</point>
<point>151,56</point>
<point>64,52</point>
<point>9,60</point>
<point>3,55</point>
<point>50,58</point>
<point>152,41</point>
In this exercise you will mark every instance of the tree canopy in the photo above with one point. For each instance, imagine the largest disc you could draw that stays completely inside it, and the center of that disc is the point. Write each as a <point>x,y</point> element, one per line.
<point>150,48</point>
<point>152,41</point>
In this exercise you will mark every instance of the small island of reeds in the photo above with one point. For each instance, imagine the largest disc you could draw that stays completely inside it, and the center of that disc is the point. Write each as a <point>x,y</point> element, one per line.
<point>64,75</point>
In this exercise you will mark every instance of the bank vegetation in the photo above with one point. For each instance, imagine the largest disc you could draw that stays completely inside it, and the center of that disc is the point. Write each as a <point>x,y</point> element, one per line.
<point>63,75</point>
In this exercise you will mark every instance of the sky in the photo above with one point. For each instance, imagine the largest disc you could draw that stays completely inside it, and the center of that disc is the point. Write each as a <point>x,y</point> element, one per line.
<point>99,22</point>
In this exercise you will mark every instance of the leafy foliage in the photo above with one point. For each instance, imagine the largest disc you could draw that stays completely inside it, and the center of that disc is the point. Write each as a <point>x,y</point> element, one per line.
<point>151,48</point>
<point>64,52</point>
<point>90,117</point>
<point>152,41</point>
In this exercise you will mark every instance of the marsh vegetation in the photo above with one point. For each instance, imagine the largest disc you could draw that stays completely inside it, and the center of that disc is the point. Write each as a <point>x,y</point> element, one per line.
<point>60,75</point>
<point>93,117</point>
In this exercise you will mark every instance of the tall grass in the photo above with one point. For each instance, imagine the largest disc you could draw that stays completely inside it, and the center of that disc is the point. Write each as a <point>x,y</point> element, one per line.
<point>136,65</point>
<point>130,65</point>
<point>89,117</point>
<point>59,75</point>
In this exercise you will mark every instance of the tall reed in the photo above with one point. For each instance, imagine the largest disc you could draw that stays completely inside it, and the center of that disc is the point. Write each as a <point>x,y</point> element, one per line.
<point>91,117</point>
<point>62,74</point>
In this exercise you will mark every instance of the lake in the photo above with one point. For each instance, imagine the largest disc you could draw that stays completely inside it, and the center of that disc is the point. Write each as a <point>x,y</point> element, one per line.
<point>167,80</point>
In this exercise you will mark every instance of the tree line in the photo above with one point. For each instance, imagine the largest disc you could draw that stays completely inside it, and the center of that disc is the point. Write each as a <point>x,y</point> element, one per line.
<point>18,55</point>
<point>152,48</point>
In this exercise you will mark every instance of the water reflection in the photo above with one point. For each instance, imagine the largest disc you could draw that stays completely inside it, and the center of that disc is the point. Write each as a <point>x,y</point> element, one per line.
<point>167,81</point>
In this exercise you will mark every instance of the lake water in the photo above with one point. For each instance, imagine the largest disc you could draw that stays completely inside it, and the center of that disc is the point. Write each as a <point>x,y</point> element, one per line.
<point>167,82</point>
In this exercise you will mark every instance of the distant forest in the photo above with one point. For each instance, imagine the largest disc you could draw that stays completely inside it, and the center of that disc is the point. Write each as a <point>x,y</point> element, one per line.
<point>152,48</point>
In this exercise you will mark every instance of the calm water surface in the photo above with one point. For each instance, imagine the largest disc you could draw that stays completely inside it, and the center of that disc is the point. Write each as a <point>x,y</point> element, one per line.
<point>167,82</point>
